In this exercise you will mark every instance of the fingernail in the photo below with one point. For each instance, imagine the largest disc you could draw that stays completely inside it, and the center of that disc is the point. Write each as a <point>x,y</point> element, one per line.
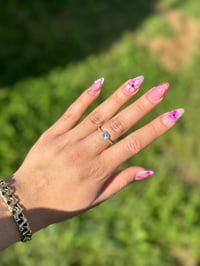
<point>144,174</point>
<point>133,85</point>
<point>96,86</point>
<point>170,118</point>
<point>158,92</point>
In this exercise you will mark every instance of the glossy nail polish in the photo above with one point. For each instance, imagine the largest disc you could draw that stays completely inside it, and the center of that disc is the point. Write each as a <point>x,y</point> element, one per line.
<point>170,118</point>
<point>133,85</point>
<point>144,174</point>
<point>157,93</point>
<point>96,86</point>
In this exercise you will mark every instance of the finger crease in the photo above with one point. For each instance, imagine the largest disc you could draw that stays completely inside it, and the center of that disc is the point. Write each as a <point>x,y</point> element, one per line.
<point>117,126</point>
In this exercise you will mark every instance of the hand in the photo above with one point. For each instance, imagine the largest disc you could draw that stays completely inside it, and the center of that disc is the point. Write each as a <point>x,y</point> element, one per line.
<point>71,168</point>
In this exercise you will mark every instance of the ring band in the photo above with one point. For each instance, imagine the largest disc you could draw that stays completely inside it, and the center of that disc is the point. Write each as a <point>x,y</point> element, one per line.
<point>105,135</point>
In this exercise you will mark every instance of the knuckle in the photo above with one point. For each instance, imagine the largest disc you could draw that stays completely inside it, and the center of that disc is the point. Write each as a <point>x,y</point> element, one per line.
<point>134,145</point>
<point>45,136</point>
<point>96,118</point>
<point>140,107</point>
<point>121,184</point>
<point>155,128</point>
<point>68,115</point>
<point>117,126</point>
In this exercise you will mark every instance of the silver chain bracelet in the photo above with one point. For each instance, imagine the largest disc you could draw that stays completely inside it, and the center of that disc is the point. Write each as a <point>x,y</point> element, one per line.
<point>16,211</point>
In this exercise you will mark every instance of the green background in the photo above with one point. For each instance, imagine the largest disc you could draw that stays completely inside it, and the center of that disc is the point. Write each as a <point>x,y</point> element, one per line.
<point>50,51</point>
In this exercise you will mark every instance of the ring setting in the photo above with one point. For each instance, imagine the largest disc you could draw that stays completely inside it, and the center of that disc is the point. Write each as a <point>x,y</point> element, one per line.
<point>105,135</point>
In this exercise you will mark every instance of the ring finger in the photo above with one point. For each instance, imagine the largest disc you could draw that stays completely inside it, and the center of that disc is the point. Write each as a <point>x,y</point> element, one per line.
<point>127,118</point>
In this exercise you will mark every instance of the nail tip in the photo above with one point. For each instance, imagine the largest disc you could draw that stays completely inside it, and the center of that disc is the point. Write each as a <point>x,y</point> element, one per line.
<point>181,111</point>
<point>158,92</point>
<point>140,77</point>
<point>96,86</point>
<point>144,174</point>
<point>102,79</point>
<point>170,118</point>
<point>166,86</point>
<point>99,80</point>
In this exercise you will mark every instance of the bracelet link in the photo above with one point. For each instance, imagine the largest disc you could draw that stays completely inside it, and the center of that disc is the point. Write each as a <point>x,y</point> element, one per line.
<point>16,210</point>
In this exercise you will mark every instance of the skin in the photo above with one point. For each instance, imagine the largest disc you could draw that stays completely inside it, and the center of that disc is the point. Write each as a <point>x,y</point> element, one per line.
<point>71,169</point>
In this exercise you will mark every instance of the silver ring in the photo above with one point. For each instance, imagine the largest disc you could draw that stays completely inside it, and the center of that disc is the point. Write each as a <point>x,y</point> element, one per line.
<point>105,135</point>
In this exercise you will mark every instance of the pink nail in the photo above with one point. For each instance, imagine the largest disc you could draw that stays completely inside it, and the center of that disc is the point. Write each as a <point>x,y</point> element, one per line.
<point>96,86</point>
<point>133,85</point>
<point>158,92</point>
<point>170,118</point>
<point>144,174</point>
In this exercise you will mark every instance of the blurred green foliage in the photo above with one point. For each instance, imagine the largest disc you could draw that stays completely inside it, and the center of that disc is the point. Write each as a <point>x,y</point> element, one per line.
<point>155,222</point>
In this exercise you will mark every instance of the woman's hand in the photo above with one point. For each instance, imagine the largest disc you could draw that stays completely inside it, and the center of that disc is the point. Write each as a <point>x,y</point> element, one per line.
<point>71,167</point>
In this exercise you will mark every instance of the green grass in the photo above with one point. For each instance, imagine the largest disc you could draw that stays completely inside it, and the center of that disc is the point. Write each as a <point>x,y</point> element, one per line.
<point>155,222</point>
<point>190,8</point>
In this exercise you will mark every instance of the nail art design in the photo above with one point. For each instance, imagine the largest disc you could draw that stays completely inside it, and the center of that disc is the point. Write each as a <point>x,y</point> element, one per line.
<point>170,118</point>
<point>158,92</point>
<point>133,85</point>
<point>96,86</point>
<point>144,174</point>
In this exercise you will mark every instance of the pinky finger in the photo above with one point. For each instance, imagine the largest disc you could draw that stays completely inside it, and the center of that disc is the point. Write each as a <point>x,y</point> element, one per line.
<point>120,180</point>
<point>72,115</point>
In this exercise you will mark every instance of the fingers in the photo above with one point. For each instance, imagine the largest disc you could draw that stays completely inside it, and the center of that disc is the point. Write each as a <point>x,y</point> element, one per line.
<point>138,140</point>
<point>120,180</point>
<point>127,118</point>
<point>76,110</point>
<point>108,108</point>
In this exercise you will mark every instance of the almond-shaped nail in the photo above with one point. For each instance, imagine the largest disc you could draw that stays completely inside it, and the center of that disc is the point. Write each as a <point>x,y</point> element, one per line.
<point>157,93</point>
<point>96,86</point>
<point>144,174</point>
<point>170,118</point>
<point>133,85</point>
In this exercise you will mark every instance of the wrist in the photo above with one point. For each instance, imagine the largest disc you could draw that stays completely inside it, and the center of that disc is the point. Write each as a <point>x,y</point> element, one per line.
<point>12,202</point>
<point>8,229</point>
<point>20,191</point>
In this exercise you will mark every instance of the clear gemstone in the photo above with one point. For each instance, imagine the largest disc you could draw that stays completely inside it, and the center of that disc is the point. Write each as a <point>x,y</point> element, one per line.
<point>105,135</point>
